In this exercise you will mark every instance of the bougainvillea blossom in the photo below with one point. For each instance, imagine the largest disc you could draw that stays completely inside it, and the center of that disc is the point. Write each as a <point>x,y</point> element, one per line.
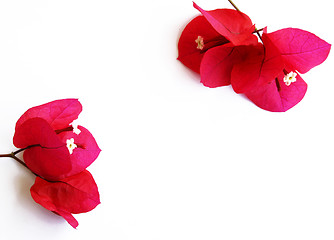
<point>45,130</point>
<point>197,37</point>
<point>72,195</point>
<point>274,83</point>
<point>58,151</point>
<point>267,72</point>
<point>214,28</point>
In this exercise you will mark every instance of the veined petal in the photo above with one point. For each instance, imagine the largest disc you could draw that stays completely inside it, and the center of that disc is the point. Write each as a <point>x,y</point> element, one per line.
<point>59,114</point>
<point>49,163</point>
<point>36,131</point>
<point>218,62</point>
<point>277,96</point>
<point>301,50</point>
<point>236,26</point>
<point>260,67</point>
<point>86,151</point>
<point>72,195</point>
<point>47,155</point>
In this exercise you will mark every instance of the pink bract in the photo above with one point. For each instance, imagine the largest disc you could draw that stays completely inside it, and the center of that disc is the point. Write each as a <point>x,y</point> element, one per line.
<point>72,195</point>
<point>190,54</point>
<point>59,113</point>
<point>47,154</point>
<point>215,28</point>
<point>277,96</point>
<point>295,55</point>
<point>236,26</point>
<point>300,49</point>
<point>218,62</point>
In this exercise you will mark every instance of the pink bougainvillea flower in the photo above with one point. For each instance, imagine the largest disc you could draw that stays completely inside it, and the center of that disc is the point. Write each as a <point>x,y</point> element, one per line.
<point>58,152</point>
<point>71,195</point>
<point>272,82</point>
<point>214,28</point>
<point>197,37</point>
<point>222,47</point>
<point>55,148</point>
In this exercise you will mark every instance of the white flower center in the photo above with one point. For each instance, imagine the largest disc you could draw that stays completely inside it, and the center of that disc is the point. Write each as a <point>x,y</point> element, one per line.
<point>76,130</point>
<point>71,145</point>
<point>290,78</point>
<point>200,43</point>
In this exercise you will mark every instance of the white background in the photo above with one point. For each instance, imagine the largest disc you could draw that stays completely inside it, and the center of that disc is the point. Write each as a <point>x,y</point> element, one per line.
<point>178,160</point>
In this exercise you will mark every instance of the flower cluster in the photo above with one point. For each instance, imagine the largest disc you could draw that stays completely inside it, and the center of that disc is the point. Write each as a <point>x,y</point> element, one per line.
<point>222,47</point>
<point>58,151</point>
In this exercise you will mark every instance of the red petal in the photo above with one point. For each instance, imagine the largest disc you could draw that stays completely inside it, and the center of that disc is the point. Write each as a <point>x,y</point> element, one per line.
<point>300,49</point>
<point>50,158</point>
<point>261,65</point>
<point>59,114</point>
<point>234,25</point>
<point>68,217</point>
<point>189,53</point>
<point>36,131</point>
<point>218,62</point>
<point>86,152</point>
<point>75,194</point>
<point>277,96</point>
<point>51,164</point>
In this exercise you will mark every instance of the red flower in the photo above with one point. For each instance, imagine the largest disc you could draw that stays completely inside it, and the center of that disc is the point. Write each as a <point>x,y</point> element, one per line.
<point>58,152</point>
<point>214,28</point>
<point>55,148</point>
<point>221,46</point>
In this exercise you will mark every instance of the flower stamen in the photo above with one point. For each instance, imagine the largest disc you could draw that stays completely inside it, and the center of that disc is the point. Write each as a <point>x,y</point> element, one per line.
<point>71,145</point>
<point>290,78</point>
<point>76,130</point>
<point>200,42</point>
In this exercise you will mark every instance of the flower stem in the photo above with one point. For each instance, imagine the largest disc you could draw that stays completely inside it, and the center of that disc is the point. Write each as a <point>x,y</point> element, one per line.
<point>13,156</point>
<point>235,7</point>
<point>256,30</point>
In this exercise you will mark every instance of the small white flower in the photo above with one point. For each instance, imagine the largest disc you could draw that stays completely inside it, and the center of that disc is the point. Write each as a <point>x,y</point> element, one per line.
<point>76,130</point>
<point>71,145</point>
<point>290,78</point>
<point>200,42</point>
